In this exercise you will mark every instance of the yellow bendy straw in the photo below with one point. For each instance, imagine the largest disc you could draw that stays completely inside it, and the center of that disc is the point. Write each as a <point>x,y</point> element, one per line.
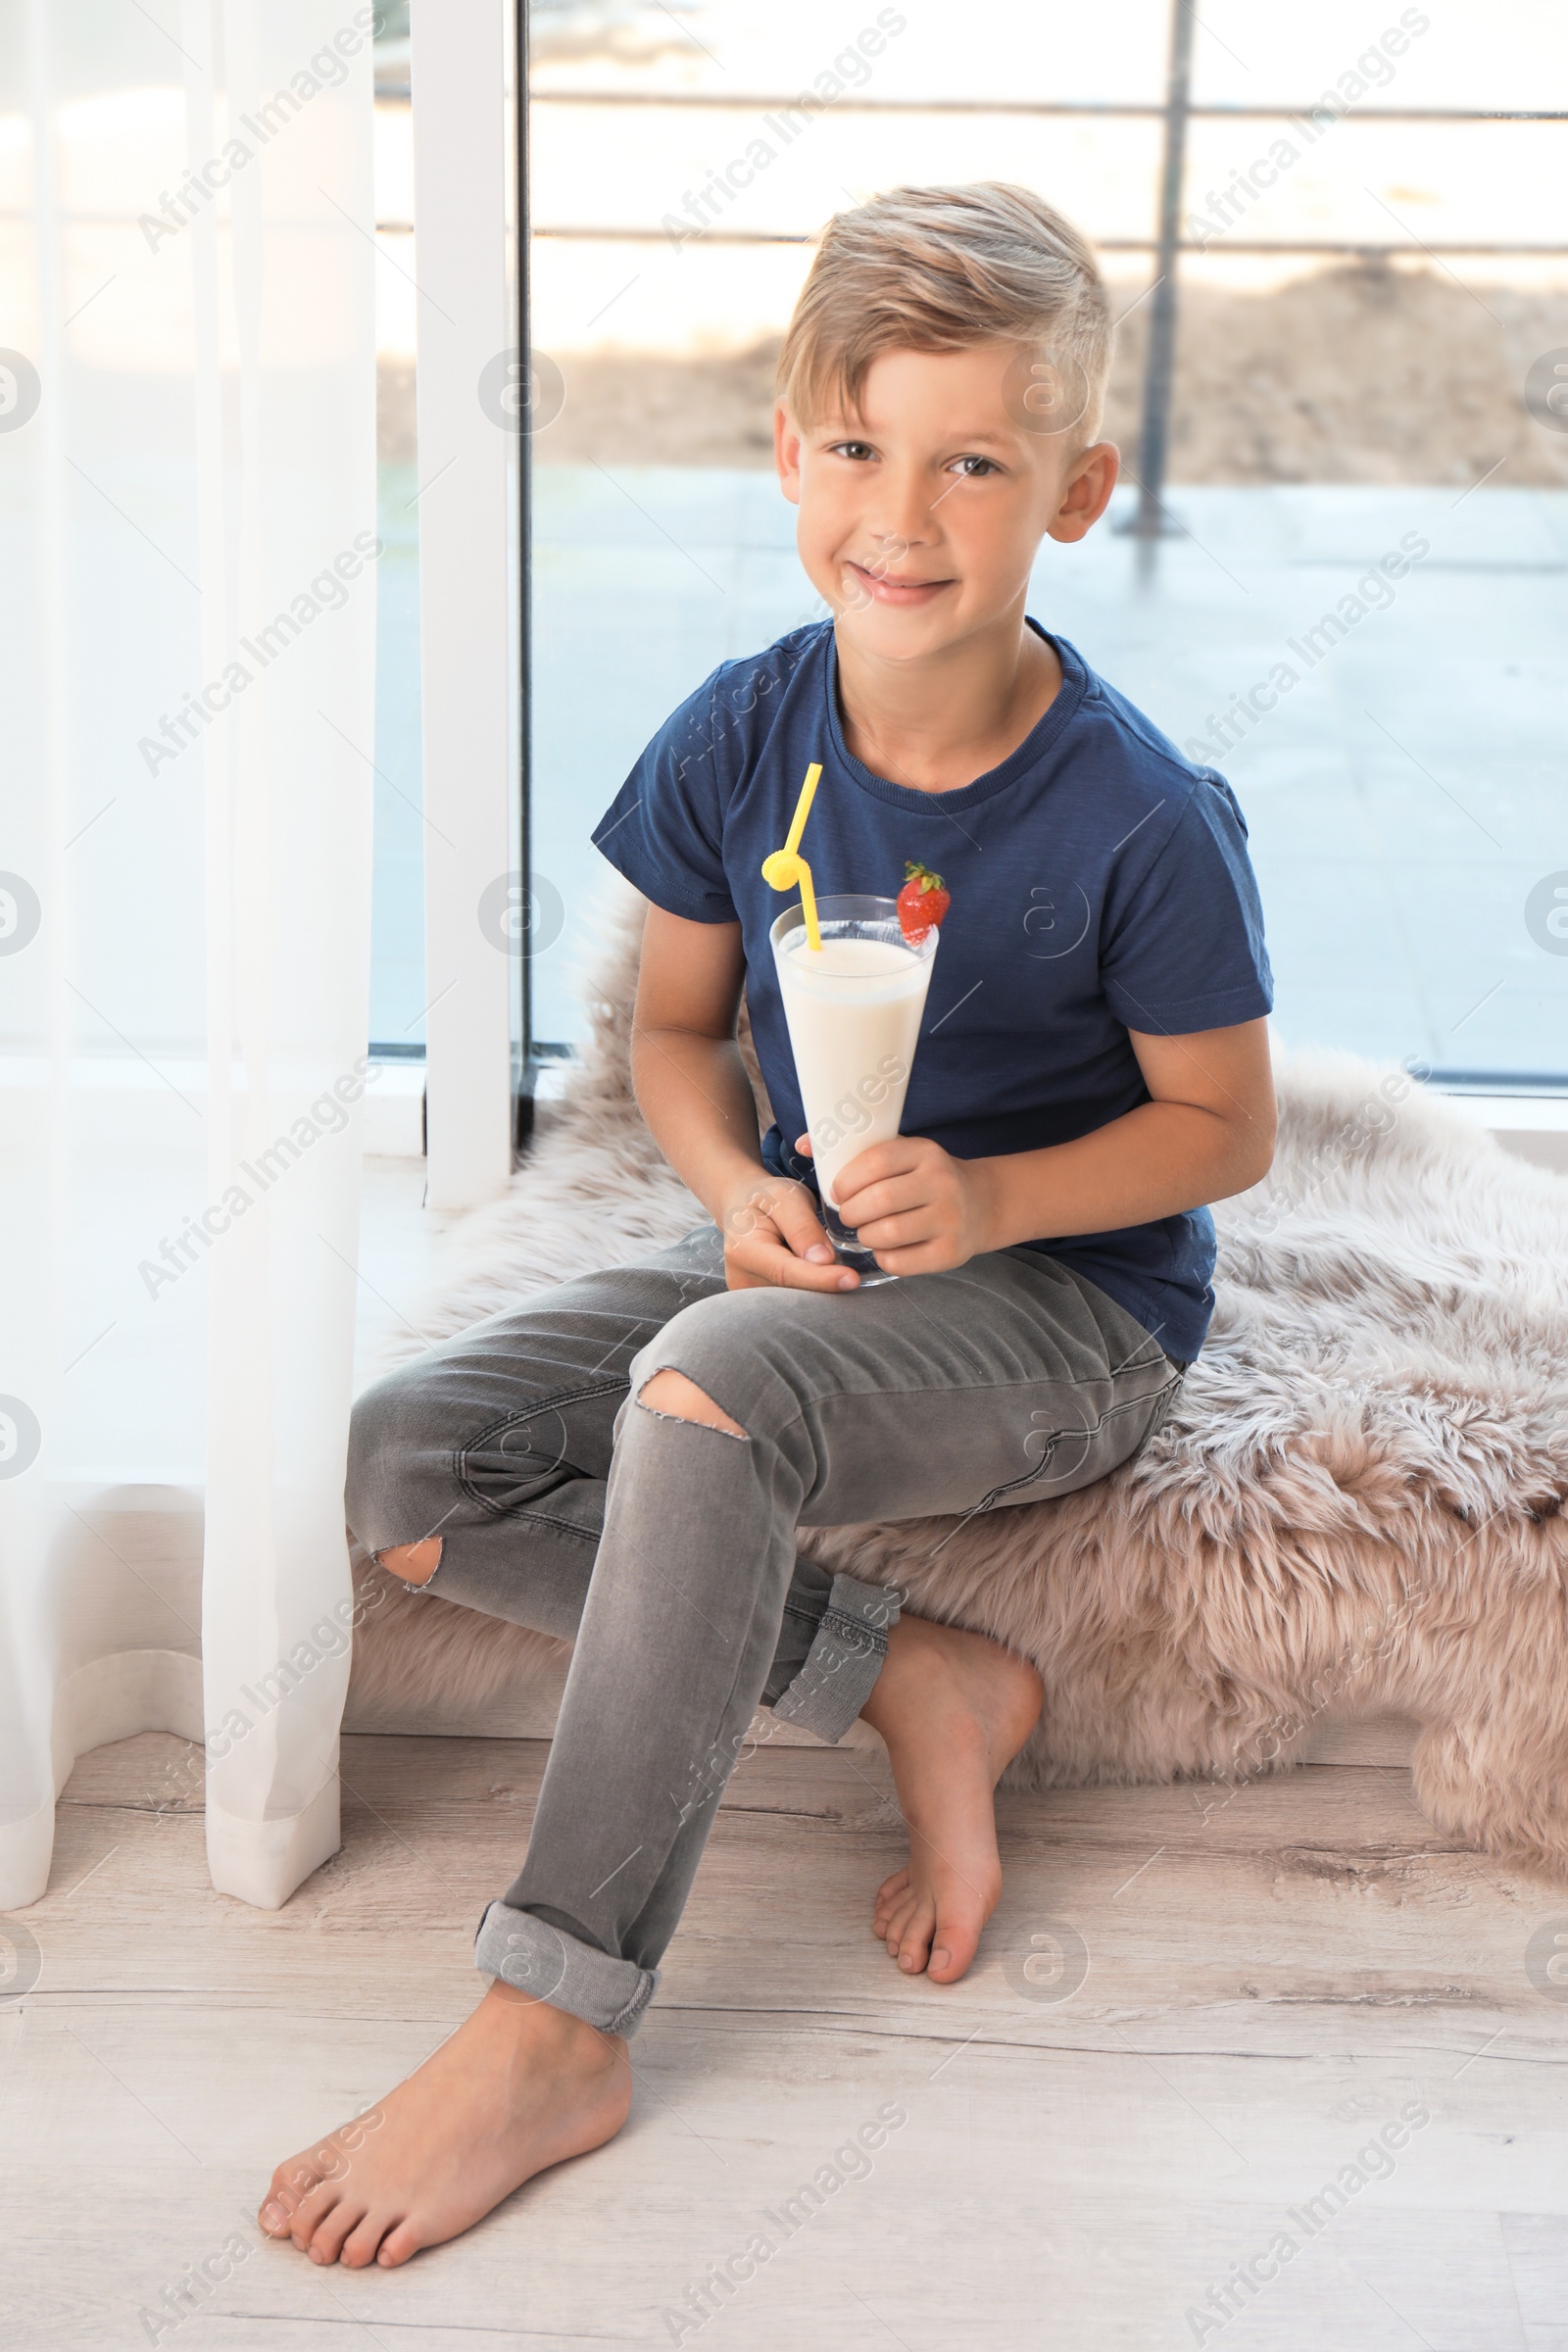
<point>786,867</point>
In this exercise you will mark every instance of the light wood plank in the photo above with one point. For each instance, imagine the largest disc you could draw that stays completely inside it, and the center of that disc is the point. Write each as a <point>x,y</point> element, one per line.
<point>1267,1986</point>
<point>1286,1914</point>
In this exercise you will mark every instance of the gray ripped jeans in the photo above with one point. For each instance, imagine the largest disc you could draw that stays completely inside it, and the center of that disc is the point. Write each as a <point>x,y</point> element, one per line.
<point>666,1549</point>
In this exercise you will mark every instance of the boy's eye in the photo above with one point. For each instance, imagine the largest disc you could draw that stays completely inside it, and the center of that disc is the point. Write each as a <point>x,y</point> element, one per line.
<point>975,470</point>
<point>852,449</point>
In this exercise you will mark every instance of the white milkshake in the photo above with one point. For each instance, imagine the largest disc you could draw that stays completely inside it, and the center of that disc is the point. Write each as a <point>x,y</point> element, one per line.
<point>854,1009</point>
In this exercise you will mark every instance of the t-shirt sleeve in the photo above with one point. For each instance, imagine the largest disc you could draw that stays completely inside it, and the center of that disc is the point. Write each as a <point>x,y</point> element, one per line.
<point>663,829</point>
<point>1183,946</point>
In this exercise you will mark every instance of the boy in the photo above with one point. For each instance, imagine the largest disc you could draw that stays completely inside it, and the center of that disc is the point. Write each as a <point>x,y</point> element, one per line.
<point>1093,1067</point>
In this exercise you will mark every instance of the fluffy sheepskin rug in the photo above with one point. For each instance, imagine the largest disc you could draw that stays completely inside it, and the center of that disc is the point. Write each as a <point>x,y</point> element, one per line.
<point>1358,1504</point>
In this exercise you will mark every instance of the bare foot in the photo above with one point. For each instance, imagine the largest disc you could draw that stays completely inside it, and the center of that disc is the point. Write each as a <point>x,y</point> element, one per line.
<point>954,1709</point>
<point>519,2086</point>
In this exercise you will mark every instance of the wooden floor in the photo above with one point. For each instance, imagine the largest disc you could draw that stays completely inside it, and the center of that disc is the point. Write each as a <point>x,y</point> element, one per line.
<point>1180,2029</point>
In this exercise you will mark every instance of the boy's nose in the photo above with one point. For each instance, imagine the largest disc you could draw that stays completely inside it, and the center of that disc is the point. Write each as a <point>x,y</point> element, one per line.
<point>895,556</point>
<point>902,518</point>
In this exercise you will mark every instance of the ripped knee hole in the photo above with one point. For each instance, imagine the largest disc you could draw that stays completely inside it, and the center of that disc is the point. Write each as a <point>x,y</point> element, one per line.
<point>671,1396</point>
<point>414,1563</point>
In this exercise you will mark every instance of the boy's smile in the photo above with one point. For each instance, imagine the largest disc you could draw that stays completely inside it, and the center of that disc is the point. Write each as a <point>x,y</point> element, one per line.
<point>885,588</point>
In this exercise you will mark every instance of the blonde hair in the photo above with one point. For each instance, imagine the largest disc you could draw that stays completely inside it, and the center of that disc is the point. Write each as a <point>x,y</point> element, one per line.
<point>943,269</point>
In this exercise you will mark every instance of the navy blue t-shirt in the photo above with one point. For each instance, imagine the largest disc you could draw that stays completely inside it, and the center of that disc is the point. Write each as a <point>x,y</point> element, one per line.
<point>1100,883</point>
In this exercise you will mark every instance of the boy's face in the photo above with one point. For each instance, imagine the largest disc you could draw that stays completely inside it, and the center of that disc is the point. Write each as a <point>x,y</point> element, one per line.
<point>920,518</point>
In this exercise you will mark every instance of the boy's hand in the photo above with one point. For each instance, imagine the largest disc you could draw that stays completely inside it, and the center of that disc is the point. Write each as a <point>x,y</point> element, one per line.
<point>773,1235</point>
<point>913,1205</point>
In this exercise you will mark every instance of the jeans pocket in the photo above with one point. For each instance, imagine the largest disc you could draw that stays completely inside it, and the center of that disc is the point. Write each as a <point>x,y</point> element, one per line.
<point>522,1454</point>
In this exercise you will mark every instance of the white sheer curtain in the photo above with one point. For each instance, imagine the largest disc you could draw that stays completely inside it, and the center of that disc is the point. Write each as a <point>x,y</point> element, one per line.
<point>188,497</point>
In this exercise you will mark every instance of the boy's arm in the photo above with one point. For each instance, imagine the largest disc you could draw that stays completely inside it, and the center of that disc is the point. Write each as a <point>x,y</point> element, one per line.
<point>1207,1131</point>
<point>696,1097</point>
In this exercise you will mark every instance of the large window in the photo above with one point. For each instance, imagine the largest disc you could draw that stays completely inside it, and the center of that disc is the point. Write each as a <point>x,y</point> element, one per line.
<point>1354,603</point>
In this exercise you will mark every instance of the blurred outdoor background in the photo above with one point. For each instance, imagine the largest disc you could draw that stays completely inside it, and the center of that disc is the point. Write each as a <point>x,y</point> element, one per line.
<point>1368,338</point>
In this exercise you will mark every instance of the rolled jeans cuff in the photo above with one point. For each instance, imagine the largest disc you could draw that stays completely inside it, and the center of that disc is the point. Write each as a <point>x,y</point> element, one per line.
<point>536,1958</point>
<point>844,1660</point>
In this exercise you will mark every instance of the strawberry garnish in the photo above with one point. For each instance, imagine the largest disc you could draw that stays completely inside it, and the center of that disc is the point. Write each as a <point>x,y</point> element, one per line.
<point>922,902</point>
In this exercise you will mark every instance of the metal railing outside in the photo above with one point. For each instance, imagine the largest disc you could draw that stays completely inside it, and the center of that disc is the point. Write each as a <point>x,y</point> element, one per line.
<point>1176,111</point>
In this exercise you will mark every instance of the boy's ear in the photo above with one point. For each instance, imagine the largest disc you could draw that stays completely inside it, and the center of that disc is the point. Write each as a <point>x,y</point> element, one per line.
<point>787,452</point>
<point>1087,492</point>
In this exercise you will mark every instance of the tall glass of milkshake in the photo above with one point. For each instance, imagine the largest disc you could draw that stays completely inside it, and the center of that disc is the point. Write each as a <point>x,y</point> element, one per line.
<point>854,1009</point>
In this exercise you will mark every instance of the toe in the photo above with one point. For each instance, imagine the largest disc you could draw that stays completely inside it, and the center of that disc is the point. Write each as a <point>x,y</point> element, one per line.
<point>954,1943</point>
<point>289,2185</point>
<point>311,2211</point>
<point>913,1935</point>
<point>327,2243</point>
<point>399,2244</point>
<point>363,2243</point>
<point>890,1888</point>
<point>896,1921</point>
<point>888,1899</point>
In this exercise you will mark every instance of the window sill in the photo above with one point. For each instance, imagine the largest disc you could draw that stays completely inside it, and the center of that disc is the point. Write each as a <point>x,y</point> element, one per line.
<point>1534,1127</point>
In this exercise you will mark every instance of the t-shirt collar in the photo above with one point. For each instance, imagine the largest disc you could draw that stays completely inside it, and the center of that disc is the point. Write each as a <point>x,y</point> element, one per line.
<point>1040,738</point>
